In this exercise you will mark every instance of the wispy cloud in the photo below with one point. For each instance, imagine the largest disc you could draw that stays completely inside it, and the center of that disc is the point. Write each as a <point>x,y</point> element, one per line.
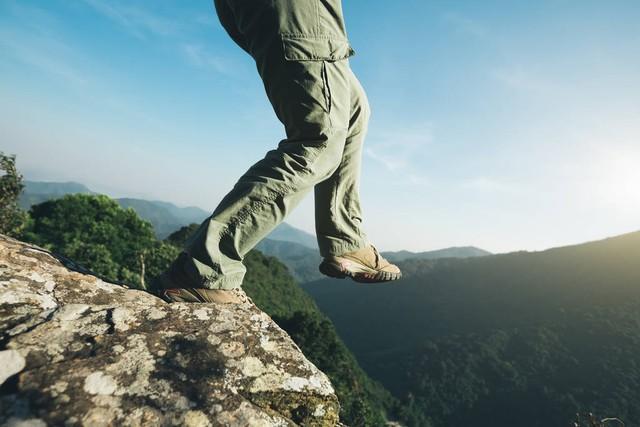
<point>525,80</point>
<point>465,25</point>
<point>200,57</point>
<point>385,156</point>
<point>33,17</point>
<point>485,184</point>
<point>35,41</point>
<point>398,149</point>
<point>139,22</point>
<point>48,55</point>
<point>176,32</point>
<point>208,20</point>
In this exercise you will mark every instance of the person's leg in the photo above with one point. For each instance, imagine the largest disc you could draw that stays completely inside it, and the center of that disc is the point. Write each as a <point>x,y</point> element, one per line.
<point>300,50</point>
<point>316,123</point>
<point>338,213</point>
<point>342,242</point>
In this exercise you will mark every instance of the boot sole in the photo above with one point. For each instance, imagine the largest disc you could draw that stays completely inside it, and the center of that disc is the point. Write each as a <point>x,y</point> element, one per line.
<point>362,275</point>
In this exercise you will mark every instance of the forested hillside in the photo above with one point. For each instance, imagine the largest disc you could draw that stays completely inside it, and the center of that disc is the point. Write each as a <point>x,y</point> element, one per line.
<point>301,260</point>
<point>164,216</point>
<point>524,339</point>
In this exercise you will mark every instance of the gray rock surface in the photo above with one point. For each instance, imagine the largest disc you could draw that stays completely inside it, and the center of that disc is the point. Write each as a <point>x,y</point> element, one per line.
<point>78,351</point>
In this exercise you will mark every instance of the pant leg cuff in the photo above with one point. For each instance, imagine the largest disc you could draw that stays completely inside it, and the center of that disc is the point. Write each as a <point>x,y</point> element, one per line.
<point>336,248</point>
<point>226,282</point>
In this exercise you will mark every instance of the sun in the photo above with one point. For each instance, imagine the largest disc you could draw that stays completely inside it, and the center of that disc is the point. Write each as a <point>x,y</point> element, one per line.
<point>618,177</point>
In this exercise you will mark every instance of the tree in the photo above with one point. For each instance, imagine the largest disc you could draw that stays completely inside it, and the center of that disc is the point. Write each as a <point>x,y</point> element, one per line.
<point>179,238</point>
<point>100,235</point>
<point>157,258</point>
<point>12,218</point>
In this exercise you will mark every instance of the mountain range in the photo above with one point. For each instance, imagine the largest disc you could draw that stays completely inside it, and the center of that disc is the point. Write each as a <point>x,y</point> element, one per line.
<point>454,252</point>
<point>164,216</point>
<point>519,339</point>
<point>466,337</point>
<point>296,248</point>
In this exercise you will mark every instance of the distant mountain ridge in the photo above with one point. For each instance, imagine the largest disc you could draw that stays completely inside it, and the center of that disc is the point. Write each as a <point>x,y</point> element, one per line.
<point>165,216</point>
<point>286,233</point>
<point>37,192</point>
<point>56,188</point>
<point>301,260</point>
<point>296,248</point>
<point>453,252</point>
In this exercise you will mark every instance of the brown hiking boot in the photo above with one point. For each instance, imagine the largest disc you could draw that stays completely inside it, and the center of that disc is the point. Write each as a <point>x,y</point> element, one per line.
<point>365,265</point>
<point>220,296</point>
<point>168,287</point>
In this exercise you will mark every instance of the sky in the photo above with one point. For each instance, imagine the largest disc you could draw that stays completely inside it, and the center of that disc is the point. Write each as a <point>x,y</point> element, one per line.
<point>507,125</point>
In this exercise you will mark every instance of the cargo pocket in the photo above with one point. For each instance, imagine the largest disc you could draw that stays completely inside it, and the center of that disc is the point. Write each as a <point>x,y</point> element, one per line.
<point>310,59</point>
<point>319,49</point>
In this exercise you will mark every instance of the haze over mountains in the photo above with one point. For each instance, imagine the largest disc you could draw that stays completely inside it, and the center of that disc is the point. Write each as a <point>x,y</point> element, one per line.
<point>455,252</point>
<point>165,217</point>
<point>296,248</point>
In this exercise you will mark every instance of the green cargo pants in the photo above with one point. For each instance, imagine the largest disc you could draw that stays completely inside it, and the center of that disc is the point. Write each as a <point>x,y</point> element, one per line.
<point>301,50</point>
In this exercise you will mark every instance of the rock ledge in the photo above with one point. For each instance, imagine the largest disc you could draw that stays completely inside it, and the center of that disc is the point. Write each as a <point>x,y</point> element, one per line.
<point>78,351</point>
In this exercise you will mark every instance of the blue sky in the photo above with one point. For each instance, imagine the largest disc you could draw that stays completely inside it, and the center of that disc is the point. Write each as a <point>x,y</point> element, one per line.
<point>502,124</point>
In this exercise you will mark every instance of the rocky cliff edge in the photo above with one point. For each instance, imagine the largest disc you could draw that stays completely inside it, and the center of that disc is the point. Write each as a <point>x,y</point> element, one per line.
<point>78,351</point>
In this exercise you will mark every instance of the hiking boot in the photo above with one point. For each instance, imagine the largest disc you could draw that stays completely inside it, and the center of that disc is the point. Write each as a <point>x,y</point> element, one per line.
<point>168,287</point>
<point>365,265</point>
<point>220,296</point>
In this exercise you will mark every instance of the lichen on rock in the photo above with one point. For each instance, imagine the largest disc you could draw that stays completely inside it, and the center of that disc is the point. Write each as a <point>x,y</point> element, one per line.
<point>78,351</point>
